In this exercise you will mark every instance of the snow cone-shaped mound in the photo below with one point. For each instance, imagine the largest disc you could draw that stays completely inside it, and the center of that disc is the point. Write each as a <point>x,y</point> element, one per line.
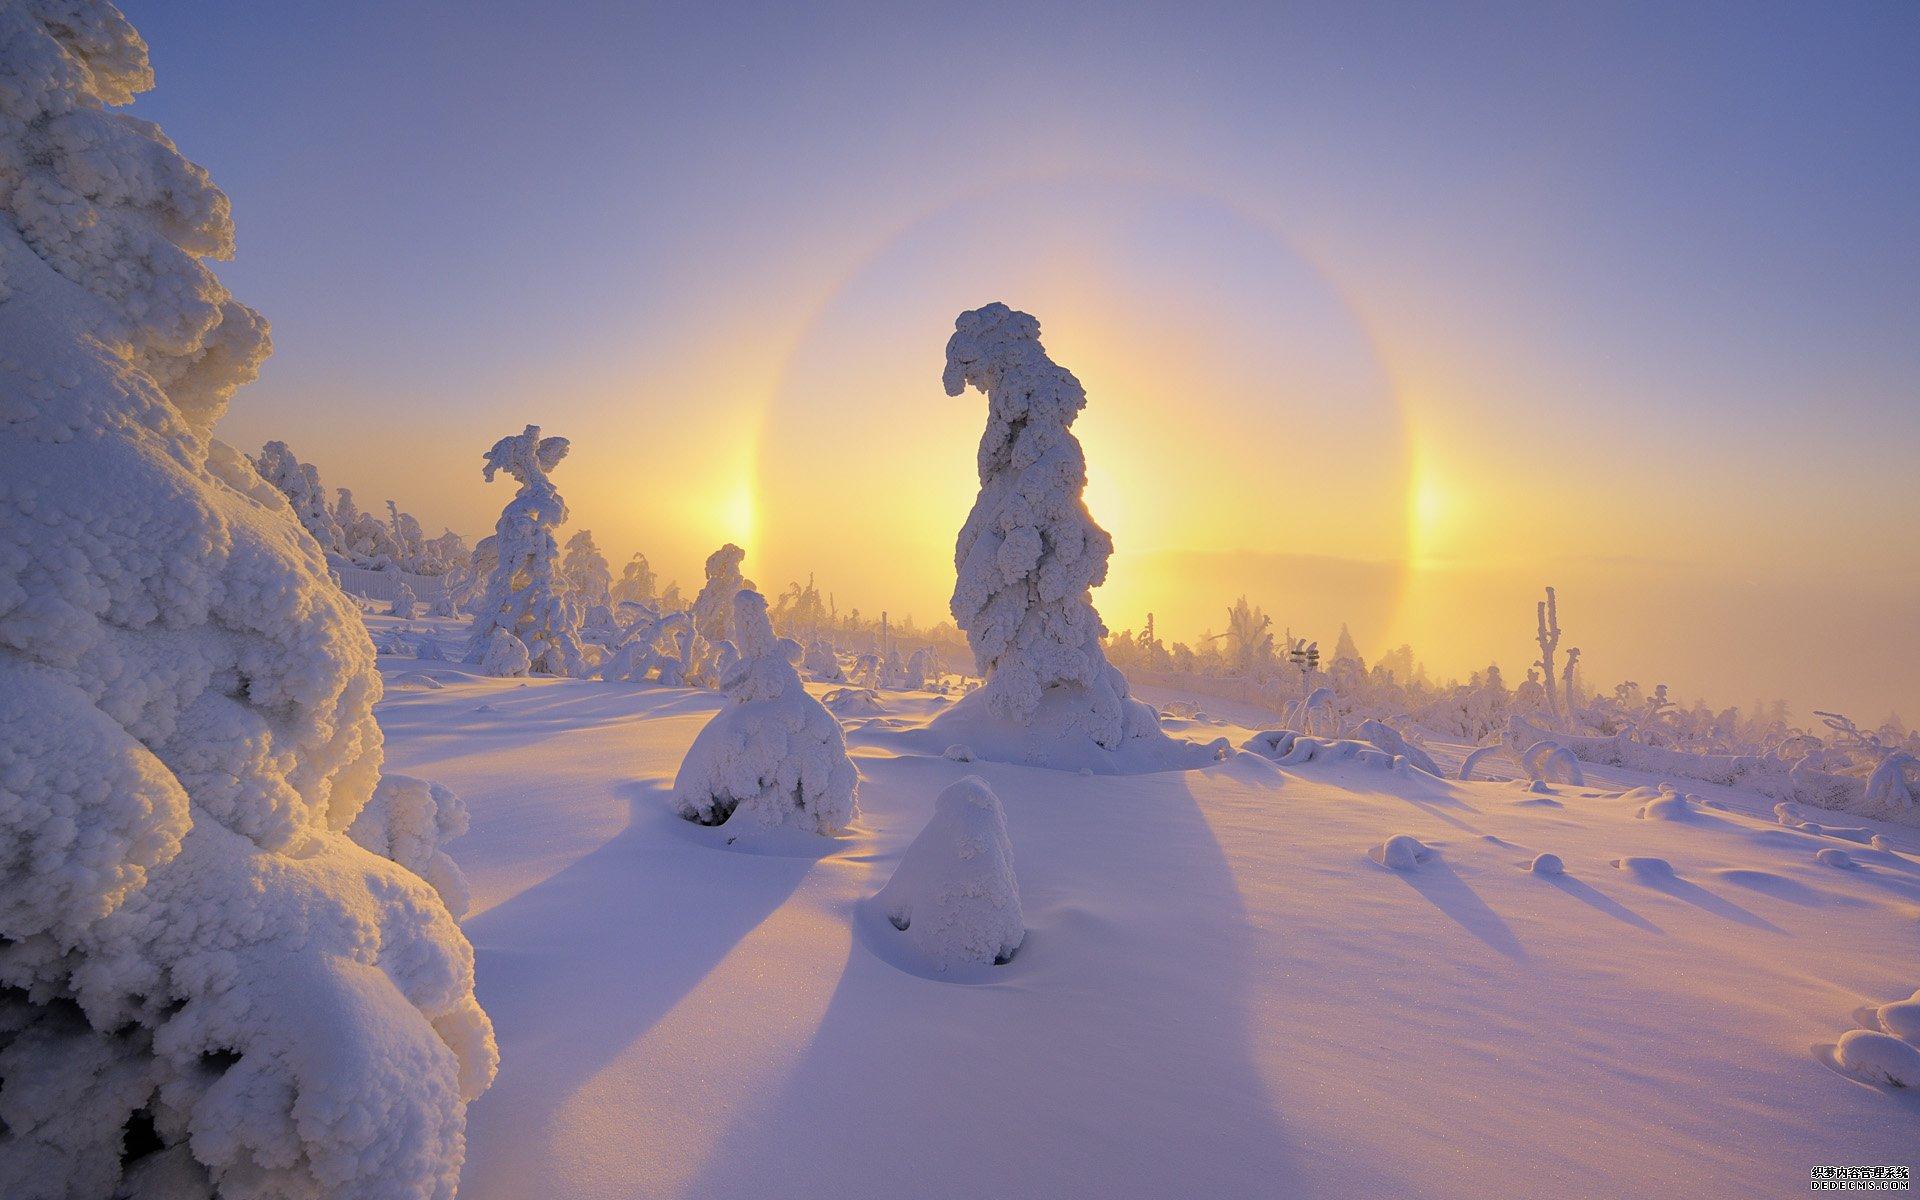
<point>206,987</point>
<point>1026,562</point>
<point>774,756</point>
<point>954,897</point>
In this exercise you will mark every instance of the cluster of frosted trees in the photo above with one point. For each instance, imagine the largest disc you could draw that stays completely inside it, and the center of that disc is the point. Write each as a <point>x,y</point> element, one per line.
<point>363,539</point>
<point>1835,764</point>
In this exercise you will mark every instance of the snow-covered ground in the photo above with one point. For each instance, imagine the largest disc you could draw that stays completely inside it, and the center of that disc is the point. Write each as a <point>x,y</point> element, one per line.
<point>1220,993</point>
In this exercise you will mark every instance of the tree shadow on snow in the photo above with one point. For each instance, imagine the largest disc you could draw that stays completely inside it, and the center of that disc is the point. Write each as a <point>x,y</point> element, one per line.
<point>1443,888</point>
<point>1114,1057</point>
<point>1586,893</point>
<point>609,945</point>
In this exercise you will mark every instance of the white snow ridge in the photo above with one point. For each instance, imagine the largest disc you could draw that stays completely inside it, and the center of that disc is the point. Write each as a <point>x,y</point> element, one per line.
<point>954,895</point>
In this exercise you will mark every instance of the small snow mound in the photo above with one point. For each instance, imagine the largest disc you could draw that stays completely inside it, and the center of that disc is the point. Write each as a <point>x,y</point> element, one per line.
<point>1290,748</point>
<point>1401,852</point>
<point>1835,857</point>
<point>954,894</point>
<point>1879,1058</point>
<point>417,679</point>
<point>1669,806</point>
<point>957,753</point>
<point>1644,866</point>
<point>853,702</point>
<point>1901,1018</point>
<point>1540,787</point>
<point>506,656</point>
<point>1882,842</point>
<point>1547,864</point>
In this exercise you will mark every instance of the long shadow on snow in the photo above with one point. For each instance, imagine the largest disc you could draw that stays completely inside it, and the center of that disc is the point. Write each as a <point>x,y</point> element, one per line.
<point>610,971</point>
<point>1443,888</point>
<point>430,721</point>
<point>1114,1059</point>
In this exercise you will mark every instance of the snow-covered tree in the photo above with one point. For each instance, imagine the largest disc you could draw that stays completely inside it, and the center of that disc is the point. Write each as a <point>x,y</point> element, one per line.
<point>300,483</point>
<point>1029,553</point>
<point>1344,649</point>
<point>954,894</point>
<point>637,582</point>
<point>524,596</point>
<point>406,605</point>
<point>773,756</point>
<point>1547,614</point>
<point>713,607</point>
<point>206,986</point>
<point>588,576</point>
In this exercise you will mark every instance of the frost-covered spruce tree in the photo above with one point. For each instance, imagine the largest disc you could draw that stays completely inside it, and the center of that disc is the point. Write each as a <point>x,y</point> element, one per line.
<point>773,756</point>
<point>637,582</point>
<point>588,575</point>
<point>1030,554</point>
<point>207,987</point>
<point>524,595</point>
<point>300,483</point>
<point>713,607</point>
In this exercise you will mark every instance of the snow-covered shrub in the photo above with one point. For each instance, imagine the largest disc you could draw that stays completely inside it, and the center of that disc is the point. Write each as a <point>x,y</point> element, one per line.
<point>660,645</point>
<point>1029,554</point>
<point>954,894</point>
<point>1390,739</point>
<point>588,576</point>
<point>505,657</point>
<point>405,604</point>
<point>823,664</point>
<point>408,820</point>
<point>1890,1055</point>
<point>713,607</point>
<point>206,986</point>
<point>773,756</point>
<point>524,596</point>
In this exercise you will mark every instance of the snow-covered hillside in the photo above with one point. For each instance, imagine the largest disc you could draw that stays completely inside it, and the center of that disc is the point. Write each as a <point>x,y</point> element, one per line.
<point>1220,991</point>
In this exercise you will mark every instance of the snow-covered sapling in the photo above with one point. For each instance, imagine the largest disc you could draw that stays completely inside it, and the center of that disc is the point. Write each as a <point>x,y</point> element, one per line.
<point>524,596</point>
<point>1547,613</point>
<point>773,756</point>
<point>206,987</point>
<point>586,571</point>
<point>1029,553</point>
<point>405,604</point>
<point>713,607</point>
<point>954,894</point>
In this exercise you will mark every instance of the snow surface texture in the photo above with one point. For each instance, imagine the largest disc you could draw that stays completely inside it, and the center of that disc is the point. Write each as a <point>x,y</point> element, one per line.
<point>192,950</point>
<point>774,757</point>
<point>1029,553</point>
<point>1554,1022</point>
<point>525,595</point>
<point>954,895</point>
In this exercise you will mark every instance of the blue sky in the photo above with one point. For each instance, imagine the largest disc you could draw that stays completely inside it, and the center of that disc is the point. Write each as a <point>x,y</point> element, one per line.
<point>1645,279</point>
